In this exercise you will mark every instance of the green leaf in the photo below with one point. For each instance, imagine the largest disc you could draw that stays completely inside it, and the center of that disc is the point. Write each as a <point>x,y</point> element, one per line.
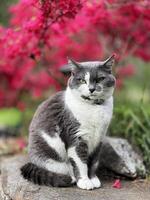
<point>137,120</point>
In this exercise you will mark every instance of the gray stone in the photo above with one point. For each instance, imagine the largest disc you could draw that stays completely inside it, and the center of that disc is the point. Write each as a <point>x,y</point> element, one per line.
<point>118,155</point>
<point>14,187</point>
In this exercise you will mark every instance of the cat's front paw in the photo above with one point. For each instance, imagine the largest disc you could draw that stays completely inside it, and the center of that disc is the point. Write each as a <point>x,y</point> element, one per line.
<point>85,184</point>
<point>96,182</point>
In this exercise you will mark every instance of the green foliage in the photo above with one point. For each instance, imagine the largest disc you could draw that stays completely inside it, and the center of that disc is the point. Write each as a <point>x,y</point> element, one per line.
<point>10,117</point>
<point>133,122</point>
<point>4,15</point>
<point>131,117</point>
<point>136,88</point>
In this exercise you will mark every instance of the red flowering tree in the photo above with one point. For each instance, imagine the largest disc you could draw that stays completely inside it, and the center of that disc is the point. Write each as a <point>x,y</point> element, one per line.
<point>42,33</point>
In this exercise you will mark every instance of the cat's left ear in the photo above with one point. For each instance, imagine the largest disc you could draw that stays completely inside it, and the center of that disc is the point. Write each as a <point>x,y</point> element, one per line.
<point>108,64</point>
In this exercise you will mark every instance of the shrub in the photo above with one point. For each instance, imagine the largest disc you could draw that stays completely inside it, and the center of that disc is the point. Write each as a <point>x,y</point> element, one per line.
<point>133,123</point>
<point>42,33</point>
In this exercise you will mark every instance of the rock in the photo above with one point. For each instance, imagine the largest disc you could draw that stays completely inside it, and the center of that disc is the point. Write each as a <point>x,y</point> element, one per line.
<point>14,187</point>
<point>118,155</point>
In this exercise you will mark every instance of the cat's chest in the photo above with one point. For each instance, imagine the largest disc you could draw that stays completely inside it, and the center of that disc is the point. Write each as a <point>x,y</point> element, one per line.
<point>93,120</point>
<point>90,117</point>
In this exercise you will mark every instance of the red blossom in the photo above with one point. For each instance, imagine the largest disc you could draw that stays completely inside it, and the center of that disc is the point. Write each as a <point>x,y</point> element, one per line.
<point>21,143</point>
<point>119,83</point>
<point>117,184</point>
<point>126,71</point>
<point>42,34</point>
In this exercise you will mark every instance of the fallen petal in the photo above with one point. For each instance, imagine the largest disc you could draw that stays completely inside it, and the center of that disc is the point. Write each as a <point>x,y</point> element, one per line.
<point>117,184</point>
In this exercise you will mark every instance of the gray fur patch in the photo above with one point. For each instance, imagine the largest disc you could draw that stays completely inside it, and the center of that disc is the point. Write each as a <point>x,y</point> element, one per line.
<point>75,168</point>
<point>93,160</point>
<point>42,150</point>
<point>82,151</point>
<point>52,116</point>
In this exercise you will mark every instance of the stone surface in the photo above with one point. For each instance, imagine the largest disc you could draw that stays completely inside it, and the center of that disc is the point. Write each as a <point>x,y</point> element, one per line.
<point>14,187</point>
<point>118,155</point>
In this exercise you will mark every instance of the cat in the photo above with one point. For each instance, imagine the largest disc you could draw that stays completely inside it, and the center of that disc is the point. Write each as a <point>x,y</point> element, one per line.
<point>66,131</point>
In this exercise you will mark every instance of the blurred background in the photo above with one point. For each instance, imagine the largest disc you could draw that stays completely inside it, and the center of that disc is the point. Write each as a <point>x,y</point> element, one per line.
<point>36,37</point>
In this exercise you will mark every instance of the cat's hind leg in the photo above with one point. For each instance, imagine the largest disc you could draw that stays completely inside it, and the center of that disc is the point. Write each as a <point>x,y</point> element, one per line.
<point>57,162</point>
<point>47,155</point>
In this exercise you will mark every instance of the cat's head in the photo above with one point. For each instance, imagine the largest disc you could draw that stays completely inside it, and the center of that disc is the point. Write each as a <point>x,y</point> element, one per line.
<point>92,81</point>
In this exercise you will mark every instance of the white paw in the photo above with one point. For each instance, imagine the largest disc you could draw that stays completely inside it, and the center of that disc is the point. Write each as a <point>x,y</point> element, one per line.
<point>85,184</point>
<point>96,182</point>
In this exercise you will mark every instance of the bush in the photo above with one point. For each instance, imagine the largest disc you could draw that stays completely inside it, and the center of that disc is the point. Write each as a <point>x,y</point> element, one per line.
<point>42,34</point>
<point>133,123</point>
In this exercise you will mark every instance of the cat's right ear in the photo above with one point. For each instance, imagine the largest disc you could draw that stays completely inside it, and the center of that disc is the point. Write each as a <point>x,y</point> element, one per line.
<point>107,64</point>
<point>73,65</point>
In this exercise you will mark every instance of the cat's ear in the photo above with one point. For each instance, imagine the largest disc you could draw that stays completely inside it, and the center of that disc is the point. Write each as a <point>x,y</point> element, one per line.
<point>108,63</point>
<point>73,65</point>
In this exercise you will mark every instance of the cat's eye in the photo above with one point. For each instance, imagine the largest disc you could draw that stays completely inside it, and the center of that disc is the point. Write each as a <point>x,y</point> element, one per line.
<point>82,80</point>
<point>101,78</point>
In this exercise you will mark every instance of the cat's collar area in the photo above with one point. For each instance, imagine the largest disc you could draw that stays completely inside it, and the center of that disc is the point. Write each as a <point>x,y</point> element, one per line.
<point>95,101</point>
<point>99,101</point>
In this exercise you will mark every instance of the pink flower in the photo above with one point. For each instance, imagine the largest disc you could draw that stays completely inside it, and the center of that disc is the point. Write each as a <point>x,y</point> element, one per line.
<point>119,83</point>
<point>126,71</point>
<point>21,143</point>
<point>43,33</point>
<point>117,184</point>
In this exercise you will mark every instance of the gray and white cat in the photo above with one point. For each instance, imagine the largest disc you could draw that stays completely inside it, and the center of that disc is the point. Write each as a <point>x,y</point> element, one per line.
<point>67,129</point>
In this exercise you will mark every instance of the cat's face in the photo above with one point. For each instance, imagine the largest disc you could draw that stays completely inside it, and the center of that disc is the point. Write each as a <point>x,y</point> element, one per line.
<point>92,81</point>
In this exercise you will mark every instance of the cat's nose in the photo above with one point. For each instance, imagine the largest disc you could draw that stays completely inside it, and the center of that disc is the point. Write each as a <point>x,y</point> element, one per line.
<point>92,90</point>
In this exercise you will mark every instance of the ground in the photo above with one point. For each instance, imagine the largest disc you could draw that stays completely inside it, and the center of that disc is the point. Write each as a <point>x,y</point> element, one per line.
<point>14,187</point>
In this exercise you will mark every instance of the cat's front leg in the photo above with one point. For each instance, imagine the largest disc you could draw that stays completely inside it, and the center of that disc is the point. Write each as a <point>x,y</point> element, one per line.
<point>78,157</point>
<point>95,180</point>
<point>93,165</point>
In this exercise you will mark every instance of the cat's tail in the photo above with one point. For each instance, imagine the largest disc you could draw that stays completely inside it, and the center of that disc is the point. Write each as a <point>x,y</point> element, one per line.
<point>42,176</point>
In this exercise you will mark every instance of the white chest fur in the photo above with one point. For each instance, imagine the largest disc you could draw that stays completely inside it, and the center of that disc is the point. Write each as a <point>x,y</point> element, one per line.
<point>94,119</point>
